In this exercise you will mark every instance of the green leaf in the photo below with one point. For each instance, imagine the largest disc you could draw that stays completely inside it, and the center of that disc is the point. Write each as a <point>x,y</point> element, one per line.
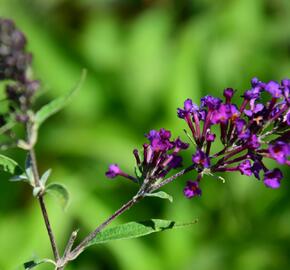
<point>18,178</point>
<point>9,165</point>
<point>31,264</point>
<point>161,195</point>
<point>7,127</point>
<point>56,105</point>
<point>60,192</point>
<point>45,176</point>
<point>136,229</point>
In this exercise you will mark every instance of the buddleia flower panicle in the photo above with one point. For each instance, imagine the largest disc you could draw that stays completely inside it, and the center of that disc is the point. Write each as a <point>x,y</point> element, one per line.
<point>158,157</point>
<point>14,68</point>
<point>255,129</point>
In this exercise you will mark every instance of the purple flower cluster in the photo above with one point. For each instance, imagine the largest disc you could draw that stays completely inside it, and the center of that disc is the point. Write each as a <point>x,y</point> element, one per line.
<point>256,129</point>
<point>251,131</point>
<point>14,65</point>
<point>159,157</point>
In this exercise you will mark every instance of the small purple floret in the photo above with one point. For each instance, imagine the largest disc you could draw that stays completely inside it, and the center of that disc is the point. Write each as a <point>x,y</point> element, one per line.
<point>253,93</point>
<point>159,140</point>
<point>280,151</point>
<point>210,137</point>
<point>229,93</point>
<point>113,171</point>
<point>254,142</point>
<point>188,108</point>
<point>274,89</point>
<point>200,158</point>
<point>211,102</point>
<point>192,189</point>
<point>273,178</point>
<point>245,167</point>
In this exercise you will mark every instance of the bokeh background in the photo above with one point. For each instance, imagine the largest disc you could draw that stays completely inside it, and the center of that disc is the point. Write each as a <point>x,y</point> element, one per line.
<point>143,59</point>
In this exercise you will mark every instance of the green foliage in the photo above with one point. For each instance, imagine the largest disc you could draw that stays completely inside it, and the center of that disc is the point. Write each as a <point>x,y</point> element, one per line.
<point>58,104</point>
<point>60,192</point>
<point>9,165</point>
<point>32,264</point>
<point>198,48</point>
<point>161,195</point>
<point>44,177</point>
<point>136,229</point>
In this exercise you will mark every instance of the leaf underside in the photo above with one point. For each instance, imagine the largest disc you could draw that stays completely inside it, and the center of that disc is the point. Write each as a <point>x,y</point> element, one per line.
<point>161,195</point>
<point>60,192</point>
<point>136,229</point>
<point>9,165</point>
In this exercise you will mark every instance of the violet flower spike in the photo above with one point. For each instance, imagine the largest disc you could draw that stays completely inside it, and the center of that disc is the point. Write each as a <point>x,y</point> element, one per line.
<point>244,132</point>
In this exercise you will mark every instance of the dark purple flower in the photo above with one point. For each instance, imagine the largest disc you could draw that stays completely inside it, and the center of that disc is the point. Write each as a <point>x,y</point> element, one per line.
<point>175,162</point>
<point>255,108</point>
<point>164,134</point>
<point>255,82</point>
<point>256,168</point>
<point>188,108</point>
<point>159,140</point>
<point>286,88</point>
<point>224,113</point>
<point>242,130</point>
<point>200,158</point>
<point>152,134</point>
<point>274,89</point>
<point>279,151</point>
<point>14,60</point>
<point>228,94</point>
<point>210,137</point>
<point>113,171</point>
<point>211,102</point>
<point>180,145</point>
<point>202,114</point>
<point>273,178</point>
<point>285,82</point>
<point>253,142</point>
<point>192,189</point>
<point>245,167</point>
<point>253,93</point>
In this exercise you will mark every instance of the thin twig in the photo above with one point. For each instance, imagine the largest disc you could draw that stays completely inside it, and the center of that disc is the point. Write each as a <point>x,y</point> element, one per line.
<point>140,195</point>
<point>93,234</point>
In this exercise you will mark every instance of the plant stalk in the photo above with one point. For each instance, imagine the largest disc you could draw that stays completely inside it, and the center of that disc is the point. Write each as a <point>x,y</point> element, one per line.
<point>140,195</point>
<point>41,200</point>
<point>93,234</point>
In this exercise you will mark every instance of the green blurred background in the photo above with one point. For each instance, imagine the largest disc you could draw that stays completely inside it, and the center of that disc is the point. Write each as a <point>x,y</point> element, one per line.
<point>143,59</point>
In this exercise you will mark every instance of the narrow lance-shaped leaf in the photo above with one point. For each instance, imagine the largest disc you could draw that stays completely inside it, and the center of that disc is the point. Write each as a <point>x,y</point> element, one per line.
<point>60,192</point>
<point>9,165</point>
<point>31,264</point>
<point>161,195</point>
<point>56,105</point>
<point>18,178</point>
<point>136,229</point>
<point>45,177</point>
